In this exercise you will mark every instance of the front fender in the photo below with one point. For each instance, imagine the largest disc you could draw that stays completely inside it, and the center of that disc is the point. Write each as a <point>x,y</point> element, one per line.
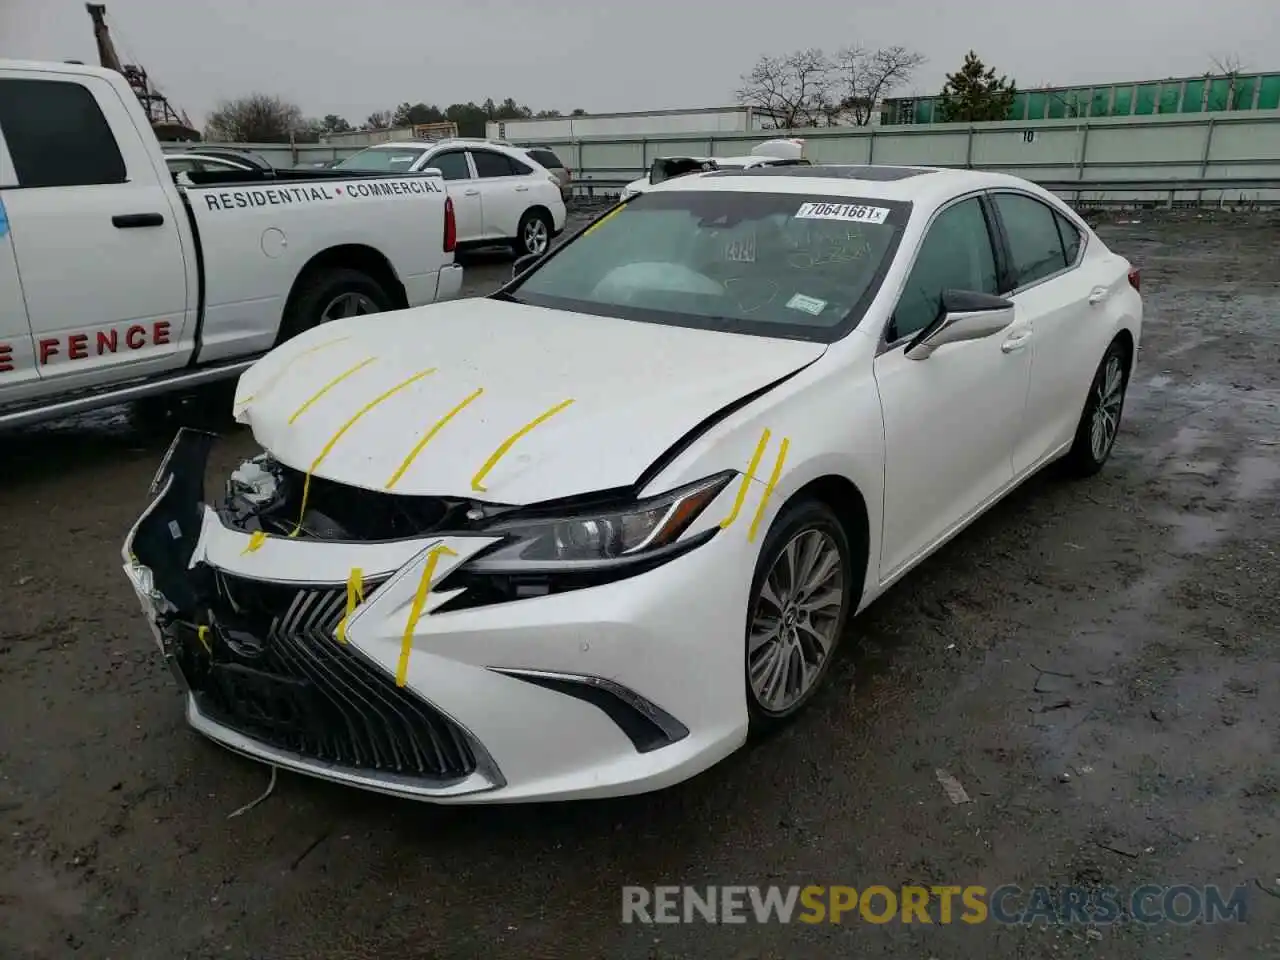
<point>830,419</point>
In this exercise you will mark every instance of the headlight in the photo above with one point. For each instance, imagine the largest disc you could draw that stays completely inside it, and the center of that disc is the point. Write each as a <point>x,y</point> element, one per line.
<point>600,539</point>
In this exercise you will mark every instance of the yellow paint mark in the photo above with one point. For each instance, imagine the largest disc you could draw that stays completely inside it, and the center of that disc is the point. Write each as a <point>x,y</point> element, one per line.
<point>415,611</point>
<point>329,386</point>
<point>279,374</point>
<point>202,634</point>
<point>439,425</point>
<point>256,540</point>
<point>746,480</point>
<point>355,597</point>
<point>510,442</point>
<point>768,488</point>
<point>612,213</point>
<point>333,441</point>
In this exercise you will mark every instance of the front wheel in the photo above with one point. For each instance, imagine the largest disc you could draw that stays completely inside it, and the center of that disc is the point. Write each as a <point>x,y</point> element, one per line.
<point>801,597</point>
<point>1100,419</point>
<point>534,234</point>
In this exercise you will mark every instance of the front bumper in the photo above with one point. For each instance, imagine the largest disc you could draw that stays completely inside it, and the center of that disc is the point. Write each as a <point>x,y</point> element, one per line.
<point>609,690</point>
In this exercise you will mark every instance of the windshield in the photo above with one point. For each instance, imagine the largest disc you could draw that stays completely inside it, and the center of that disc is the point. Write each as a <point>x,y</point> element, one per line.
<point>785,265</point>
<point>382,160</point>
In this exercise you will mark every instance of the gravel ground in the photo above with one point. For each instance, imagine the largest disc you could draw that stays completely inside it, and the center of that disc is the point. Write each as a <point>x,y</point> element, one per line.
<point>1092,661</point>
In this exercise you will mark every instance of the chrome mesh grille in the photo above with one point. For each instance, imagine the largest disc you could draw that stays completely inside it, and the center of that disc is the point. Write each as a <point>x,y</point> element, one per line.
<point>275,672</point>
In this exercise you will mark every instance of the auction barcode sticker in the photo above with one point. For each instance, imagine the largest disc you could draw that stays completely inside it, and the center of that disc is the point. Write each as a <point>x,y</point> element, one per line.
<point>855,212</point>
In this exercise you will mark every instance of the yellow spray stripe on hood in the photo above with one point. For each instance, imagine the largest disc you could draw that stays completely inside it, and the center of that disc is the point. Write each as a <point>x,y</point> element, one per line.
<point>510,442</point>
<point>333,441</point>
<point>329,386</point>
<point>288,364</point>
<point>436,428</point>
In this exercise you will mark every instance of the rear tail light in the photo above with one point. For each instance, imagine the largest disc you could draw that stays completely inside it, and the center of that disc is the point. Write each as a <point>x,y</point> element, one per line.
<point>450,227</point>
<point>1135,278</point>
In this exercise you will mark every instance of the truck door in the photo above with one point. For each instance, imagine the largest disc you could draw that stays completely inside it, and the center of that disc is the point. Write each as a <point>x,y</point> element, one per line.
<point>94,232</point>
<point>18,377</point>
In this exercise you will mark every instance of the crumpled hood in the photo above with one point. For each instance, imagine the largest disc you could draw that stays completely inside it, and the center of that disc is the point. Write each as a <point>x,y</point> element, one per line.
<point>353,400</point>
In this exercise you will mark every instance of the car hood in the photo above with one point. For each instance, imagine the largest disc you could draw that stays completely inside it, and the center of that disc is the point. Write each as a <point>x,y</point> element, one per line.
<point>351,401</point>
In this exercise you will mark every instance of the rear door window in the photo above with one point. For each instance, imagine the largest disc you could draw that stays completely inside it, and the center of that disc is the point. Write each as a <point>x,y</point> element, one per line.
<point>1071,238</point>
<point>490,164</point>
<point>57,135</point>
<point>1035,246</point>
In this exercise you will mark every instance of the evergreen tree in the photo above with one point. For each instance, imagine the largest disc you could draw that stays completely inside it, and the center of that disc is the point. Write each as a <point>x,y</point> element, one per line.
<point>974,93</point>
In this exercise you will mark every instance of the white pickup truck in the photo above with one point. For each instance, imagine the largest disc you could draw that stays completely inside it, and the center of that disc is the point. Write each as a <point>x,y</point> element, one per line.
<point>117,284</point>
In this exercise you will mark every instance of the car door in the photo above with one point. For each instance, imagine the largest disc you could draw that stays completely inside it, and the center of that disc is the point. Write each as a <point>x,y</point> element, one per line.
<point>96,240</point>
<point>504,190</point>
<point>1051,295</point>
<point>18,377</point>
<point>950,419</point>
<point>468,209</point>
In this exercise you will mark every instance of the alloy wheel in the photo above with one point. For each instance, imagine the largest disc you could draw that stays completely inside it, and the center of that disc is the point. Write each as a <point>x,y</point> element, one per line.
<point>350,304</point>
<point>536,235</point>
<point>796,620</point>
<point>1107,400</point>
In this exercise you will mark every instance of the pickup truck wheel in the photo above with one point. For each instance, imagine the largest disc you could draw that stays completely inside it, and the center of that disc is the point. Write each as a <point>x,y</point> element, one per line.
<point>332,295</point>
<point>535,233</point>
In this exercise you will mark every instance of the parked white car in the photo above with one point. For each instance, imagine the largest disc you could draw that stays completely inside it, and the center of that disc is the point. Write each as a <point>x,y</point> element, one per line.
<point>580,538</point>
<point>788,152</point>
<point>117,284</point>
<point>500,194</point>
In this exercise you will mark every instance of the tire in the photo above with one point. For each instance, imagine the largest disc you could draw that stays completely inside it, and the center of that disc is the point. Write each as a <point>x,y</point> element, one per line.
<point>1102,410</point>
<point>804,524</point>
<point>534,233</point>
<point>328,290</point>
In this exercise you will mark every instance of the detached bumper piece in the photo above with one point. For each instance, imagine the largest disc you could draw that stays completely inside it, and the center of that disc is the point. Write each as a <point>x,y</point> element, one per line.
<point>267,666</point>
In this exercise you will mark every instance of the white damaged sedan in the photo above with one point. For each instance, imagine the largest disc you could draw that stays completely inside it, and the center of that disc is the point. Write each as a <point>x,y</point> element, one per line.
<point>582,537</point>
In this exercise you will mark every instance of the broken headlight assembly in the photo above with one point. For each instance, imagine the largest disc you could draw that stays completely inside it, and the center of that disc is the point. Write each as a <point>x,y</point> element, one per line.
<point>544,553</point>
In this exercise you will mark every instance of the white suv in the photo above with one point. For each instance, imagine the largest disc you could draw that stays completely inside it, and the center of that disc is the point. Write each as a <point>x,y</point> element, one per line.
<point>500,194</point>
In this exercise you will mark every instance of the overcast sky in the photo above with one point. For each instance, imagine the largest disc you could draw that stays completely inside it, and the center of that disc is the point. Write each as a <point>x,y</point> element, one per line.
<point>356,56</point>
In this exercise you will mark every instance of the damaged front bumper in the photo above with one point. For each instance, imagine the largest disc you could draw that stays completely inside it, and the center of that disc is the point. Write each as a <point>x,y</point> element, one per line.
<point>548,697</point>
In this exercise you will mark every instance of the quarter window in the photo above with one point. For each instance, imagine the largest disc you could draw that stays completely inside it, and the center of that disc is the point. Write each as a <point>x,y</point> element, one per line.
<point>453,164</point>
<point>956,255</point>
<point>1035,246</point>
<point>57,135</point>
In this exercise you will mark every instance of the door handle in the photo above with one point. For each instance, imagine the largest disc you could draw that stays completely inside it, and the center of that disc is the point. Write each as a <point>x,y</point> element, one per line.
<point>471,193</point>
<point>126,221</point>
<point>1016,342</point>
<point>1097,295</point>
<point>521,189</point>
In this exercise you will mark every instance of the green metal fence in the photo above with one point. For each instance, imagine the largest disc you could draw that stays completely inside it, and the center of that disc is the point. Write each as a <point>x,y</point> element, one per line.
<point>1209,94</point>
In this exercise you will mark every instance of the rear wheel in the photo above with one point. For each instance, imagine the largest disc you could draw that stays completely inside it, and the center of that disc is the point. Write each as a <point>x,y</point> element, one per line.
<point>801,597</point>
<point>1100,420</point>
<point>534,235</point>
<point>333,294</point>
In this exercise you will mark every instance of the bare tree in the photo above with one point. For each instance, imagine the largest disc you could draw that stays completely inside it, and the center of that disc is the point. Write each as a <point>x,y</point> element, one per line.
<point>257,118</point>
<point>864,77</point>
<point>378,120</point>
<point>1229,66</point>
<point>794,89</point>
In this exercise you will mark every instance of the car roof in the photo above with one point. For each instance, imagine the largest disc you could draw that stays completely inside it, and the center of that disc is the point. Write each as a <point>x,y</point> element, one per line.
<point>200,155</point>
<point>925,185</point>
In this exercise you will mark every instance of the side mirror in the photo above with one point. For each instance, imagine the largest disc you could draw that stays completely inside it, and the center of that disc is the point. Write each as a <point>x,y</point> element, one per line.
<point>962,315</point>
<point>523,264</point>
